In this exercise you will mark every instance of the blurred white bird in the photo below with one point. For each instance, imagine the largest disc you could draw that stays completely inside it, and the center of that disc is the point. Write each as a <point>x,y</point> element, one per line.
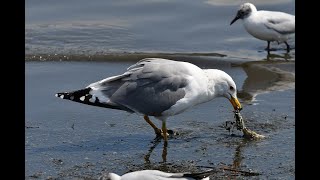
<point>266,25</point>
<point>159,175</point>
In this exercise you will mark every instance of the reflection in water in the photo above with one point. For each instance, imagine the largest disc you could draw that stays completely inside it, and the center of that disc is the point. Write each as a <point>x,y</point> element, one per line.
<point>230,171</point>
<point>237,159</point>
<point>234,170</point>
<point>155,143</point>
<point>273,57</point>
<point>266,76</point>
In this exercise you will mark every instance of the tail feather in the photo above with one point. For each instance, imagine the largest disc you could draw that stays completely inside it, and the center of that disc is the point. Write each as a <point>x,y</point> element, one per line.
<point>83,96</point>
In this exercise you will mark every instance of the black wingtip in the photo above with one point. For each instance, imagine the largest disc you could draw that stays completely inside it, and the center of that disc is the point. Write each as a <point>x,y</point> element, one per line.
<point>83,96</point>
<point>73,94</point>
<point>60,95</point>
<point>65,95</point>
<point>201,175</point>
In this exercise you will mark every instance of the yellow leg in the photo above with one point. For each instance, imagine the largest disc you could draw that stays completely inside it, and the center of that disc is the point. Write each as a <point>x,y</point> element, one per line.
<point>156,130</point>
<point>164,131</point>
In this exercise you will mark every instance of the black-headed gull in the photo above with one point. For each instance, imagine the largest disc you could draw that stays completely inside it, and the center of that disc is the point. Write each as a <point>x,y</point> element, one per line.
<point>158,87</point>
<point>266,25</point>
<point>158,175</point>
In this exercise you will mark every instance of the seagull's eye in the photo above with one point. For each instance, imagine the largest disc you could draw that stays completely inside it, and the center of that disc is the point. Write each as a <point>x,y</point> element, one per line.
<point>231,88</point>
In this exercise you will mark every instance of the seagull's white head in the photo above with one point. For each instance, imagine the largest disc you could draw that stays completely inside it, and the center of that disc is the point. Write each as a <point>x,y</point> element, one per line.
<point>223,85</point>
<point>244,11</point>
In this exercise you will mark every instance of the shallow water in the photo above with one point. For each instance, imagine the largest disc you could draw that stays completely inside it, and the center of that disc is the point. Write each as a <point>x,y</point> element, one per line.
<point>176,26</point>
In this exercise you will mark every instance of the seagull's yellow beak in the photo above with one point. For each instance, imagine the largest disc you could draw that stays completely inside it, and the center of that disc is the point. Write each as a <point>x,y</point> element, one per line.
<point>235,103</point>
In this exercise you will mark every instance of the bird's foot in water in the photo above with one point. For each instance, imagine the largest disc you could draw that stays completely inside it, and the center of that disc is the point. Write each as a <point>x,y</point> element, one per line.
<point>170,133</point>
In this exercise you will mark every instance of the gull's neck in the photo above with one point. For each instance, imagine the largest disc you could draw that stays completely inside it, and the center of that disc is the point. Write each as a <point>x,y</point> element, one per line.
<point>214,84</point>
<point>253,8</point>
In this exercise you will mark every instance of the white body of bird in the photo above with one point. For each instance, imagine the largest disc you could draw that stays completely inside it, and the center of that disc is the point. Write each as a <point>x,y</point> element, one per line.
<point>266,25</point>
<point>158,175</point>
<point>260,25</point>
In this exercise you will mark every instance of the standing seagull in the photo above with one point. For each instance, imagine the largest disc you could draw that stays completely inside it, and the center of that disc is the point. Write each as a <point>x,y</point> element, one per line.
<point>266,25</point>
<point>159,175</point>
<point>158,87</point>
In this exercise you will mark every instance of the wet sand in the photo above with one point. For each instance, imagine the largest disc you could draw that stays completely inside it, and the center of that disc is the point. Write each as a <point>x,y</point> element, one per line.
<point>68,140</point>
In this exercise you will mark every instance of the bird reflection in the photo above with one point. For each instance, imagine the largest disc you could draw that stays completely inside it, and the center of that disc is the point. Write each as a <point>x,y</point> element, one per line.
<point>234,170</point>
<point>237,159</point>
<point>155,143</point>
<point>266,76</point>
<point>231,170</point>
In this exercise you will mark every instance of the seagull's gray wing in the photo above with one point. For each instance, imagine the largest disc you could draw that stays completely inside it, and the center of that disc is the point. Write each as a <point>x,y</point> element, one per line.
<point>150,86</point>
<point>281,22</point>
